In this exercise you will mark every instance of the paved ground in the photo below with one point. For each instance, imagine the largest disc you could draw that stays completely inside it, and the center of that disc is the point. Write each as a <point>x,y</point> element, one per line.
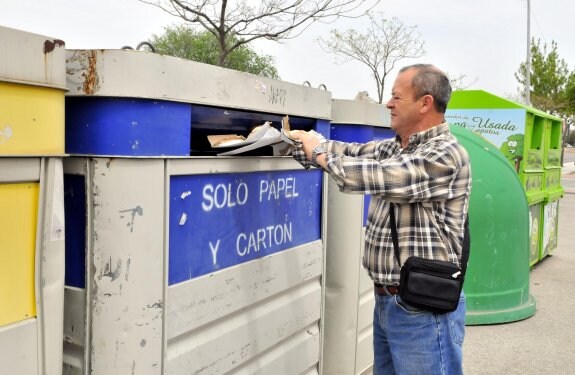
<point>544,343</point>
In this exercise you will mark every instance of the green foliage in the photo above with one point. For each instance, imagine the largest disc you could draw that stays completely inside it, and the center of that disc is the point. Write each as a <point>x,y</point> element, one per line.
<point>549,79</point>
<point>569,95</point>
<point>181,41</point>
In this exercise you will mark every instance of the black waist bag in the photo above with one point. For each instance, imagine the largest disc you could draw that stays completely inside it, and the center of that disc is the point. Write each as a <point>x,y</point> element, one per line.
<point>432,285</point>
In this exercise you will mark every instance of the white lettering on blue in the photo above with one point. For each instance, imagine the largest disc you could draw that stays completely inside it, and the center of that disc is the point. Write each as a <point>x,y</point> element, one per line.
<point>263,238</point>
<point>276,189</point>
<point>224,196</point>
<point>214,250</point>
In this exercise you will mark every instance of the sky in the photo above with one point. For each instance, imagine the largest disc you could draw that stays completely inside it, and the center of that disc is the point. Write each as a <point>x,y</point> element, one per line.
<point>483,40</point>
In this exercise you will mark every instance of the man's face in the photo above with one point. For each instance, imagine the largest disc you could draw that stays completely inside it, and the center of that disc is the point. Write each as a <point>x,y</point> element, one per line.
<point>402,105</point>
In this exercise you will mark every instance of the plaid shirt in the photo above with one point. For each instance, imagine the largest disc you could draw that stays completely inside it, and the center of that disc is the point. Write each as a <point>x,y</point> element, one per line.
<point>428,182</point>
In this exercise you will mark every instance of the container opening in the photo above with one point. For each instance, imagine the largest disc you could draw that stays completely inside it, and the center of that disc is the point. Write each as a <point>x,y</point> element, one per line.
<point>209,121</point>
<point>555,138</point>
<point>537,133</point>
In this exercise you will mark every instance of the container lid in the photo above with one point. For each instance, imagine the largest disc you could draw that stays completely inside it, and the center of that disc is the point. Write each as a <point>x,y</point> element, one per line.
<point>32,59</point>
<point>141,74</point>
<point>358,112</point>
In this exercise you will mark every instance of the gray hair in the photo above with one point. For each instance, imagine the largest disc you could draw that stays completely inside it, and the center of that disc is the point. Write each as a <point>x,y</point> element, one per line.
<point>428,80</point>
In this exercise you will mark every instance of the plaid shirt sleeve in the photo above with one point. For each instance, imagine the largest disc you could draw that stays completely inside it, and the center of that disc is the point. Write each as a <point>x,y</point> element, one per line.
<point>426,174</point>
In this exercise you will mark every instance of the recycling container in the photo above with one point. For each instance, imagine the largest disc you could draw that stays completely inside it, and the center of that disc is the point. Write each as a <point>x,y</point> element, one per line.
<point>32,87</point>
<point>181,261</point>
<point>552,184</point>
<point>348,312</point>
<point>497,279</point>
<point>523,135</point>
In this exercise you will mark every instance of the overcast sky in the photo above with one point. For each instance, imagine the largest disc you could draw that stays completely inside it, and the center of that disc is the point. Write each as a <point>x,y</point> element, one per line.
<point>485,40</point>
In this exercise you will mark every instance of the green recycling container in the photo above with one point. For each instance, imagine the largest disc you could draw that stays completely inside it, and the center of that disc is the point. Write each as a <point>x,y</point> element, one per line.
<point>497,279</point>
<point>552,186</point>
<point>528,138</point>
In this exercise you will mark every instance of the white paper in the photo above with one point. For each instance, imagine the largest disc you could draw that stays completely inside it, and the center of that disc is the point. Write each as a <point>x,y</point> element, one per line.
<point>264,138</point>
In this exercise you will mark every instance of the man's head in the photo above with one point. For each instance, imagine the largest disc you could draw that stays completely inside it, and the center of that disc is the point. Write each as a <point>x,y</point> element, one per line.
<point>419,99</point>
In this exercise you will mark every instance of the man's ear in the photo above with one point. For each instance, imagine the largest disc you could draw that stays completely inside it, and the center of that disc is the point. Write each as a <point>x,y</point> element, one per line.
<point>427,103</point>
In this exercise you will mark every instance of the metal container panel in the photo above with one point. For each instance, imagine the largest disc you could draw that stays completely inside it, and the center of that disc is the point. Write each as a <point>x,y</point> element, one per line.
<point>549,228</point>
<point>233,314</point>
<point>356,112</point>
<point>18,343</point>
<point>18,220</point>
<point>125,265</point>
<point>364,348</point>
<point>32,59</point>
<point>34,123</point>
<point>255,311</point>
<point>349,302</point>
<point>74,318</point>
<point>127,126</point>
<point>343,315</point>
<point>34,186</point>
<point>237,310</point>
<point>128,73</point>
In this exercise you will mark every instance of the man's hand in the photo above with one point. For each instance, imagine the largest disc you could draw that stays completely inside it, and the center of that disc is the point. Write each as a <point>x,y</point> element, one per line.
<point>308,139</point>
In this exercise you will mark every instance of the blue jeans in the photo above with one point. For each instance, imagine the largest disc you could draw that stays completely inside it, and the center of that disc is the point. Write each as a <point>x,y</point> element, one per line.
<point>410,341</point>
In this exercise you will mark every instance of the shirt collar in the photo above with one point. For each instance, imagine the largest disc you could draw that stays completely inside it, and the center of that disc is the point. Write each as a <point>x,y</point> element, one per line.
<point>426,135</point>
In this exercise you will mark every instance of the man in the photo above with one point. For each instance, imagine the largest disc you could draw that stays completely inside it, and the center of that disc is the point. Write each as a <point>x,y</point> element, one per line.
<point>425,174</point>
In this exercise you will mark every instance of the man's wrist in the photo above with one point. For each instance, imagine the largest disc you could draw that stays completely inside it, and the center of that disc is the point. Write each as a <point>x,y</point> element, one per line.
<point>321,160</point>
<point>316,152</point>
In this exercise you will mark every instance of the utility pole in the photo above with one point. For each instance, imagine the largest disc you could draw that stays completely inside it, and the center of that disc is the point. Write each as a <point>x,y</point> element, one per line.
<point>528,62</point>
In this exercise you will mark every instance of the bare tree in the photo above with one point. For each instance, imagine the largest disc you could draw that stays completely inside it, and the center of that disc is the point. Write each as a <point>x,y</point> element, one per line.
<point>458,82</point>
<point>383,44</point>
<point>235,23</point>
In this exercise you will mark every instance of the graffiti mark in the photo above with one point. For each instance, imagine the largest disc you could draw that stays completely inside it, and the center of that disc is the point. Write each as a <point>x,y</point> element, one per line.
<point>277,96</point>
<point>115,273</point>
<point>133,211</point>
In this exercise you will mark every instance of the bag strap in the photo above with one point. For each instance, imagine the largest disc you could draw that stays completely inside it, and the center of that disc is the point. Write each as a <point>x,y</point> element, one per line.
<point>465,246</point>
<point>394,233</point>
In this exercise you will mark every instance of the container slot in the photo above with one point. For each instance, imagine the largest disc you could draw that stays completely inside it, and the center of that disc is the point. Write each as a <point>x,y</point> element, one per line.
<point>207,121</point>
<point>537,134</point>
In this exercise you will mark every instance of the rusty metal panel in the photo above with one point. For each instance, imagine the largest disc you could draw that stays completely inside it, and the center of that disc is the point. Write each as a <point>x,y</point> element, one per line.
<point>32,59</point>
<point>360,113</point>
<point>128,73</point>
